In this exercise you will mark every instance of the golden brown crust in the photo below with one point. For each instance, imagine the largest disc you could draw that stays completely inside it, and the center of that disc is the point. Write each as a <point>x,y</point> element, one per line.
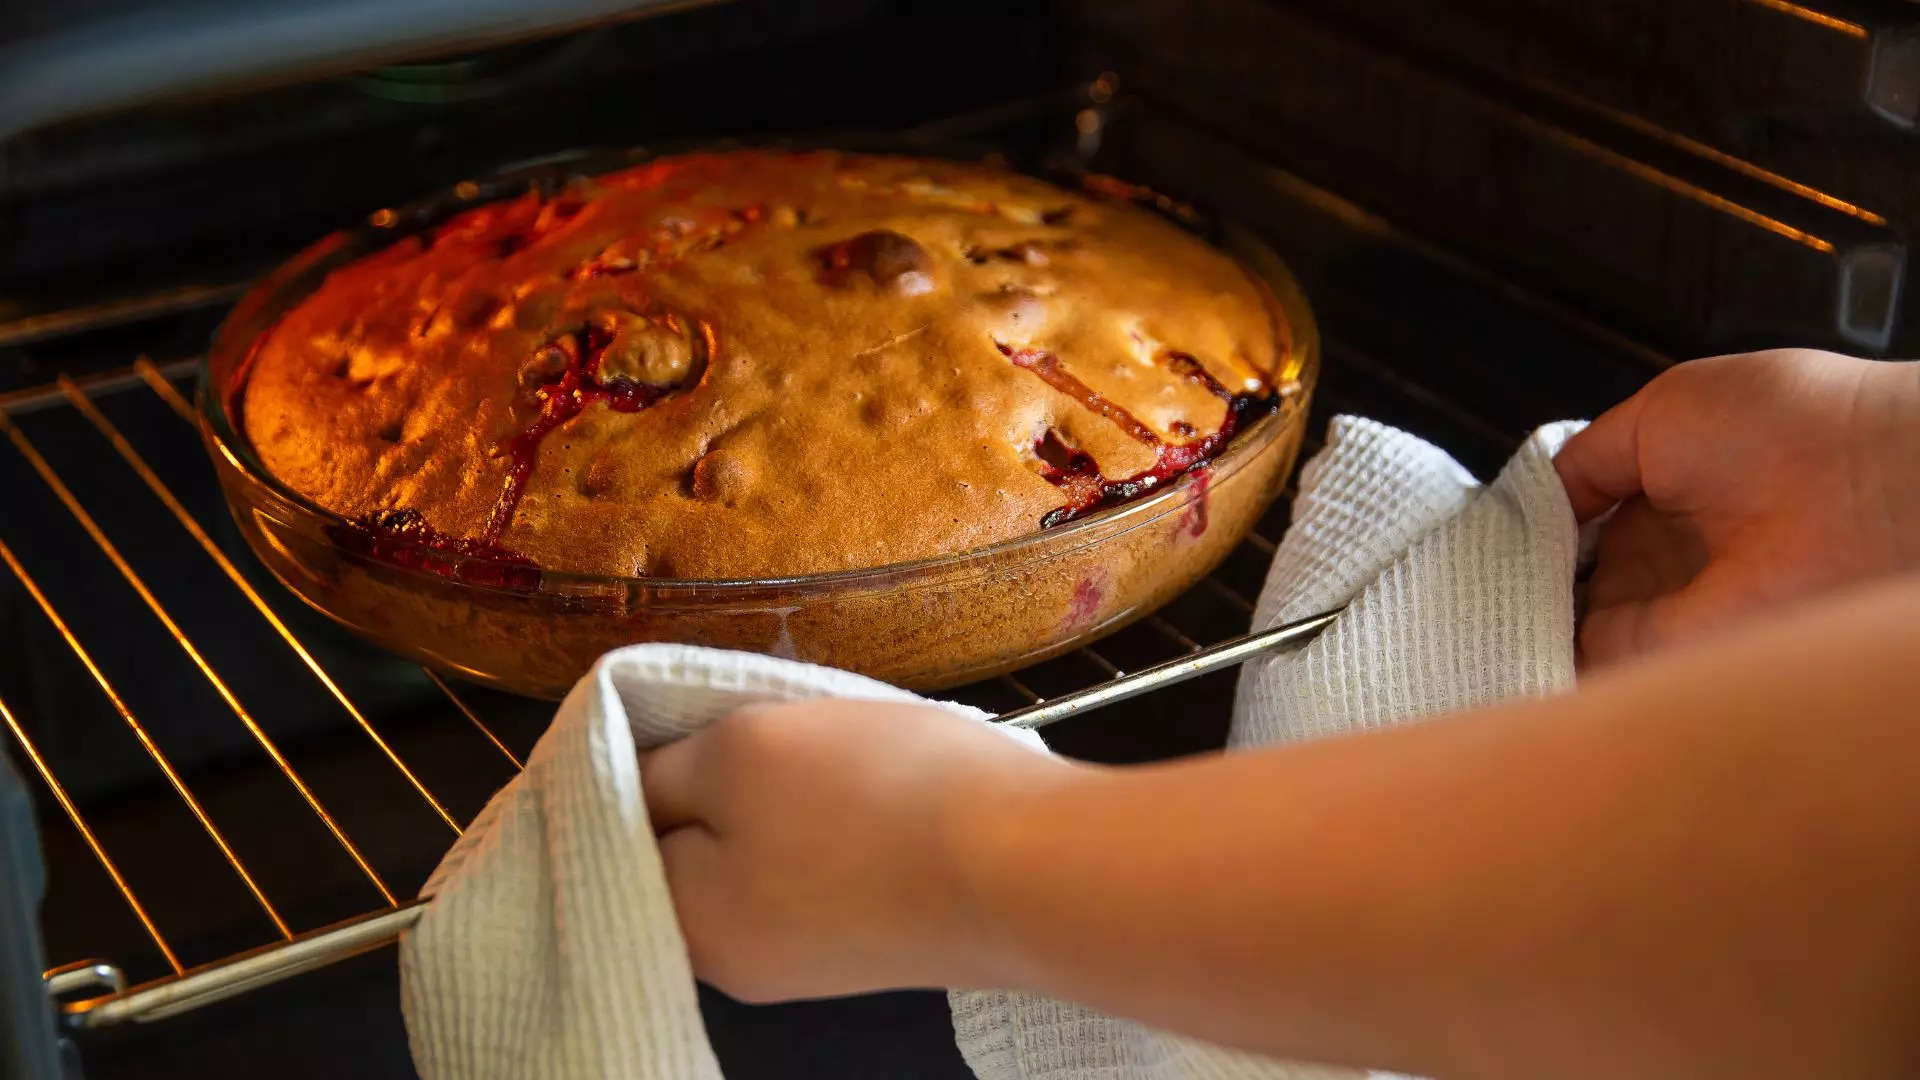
<point>809,346</point>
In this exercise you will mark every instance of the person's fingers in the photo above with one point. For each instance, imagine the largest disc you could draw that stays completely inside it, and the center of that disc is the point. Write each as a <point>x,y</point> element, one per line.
<point>1610,635</point>
<point>1716,596</point>
<point>726,942</point>
<point>1601,465</point>
<point>1721,594</point>
<point>671,781</point>
<point>691,858</point>
<point>1643,553</point>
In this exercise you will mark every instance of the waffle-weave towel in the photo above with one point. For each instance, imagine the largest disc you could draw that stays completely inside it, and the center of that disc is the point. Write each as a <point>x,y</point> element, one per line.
<point>551,951</point>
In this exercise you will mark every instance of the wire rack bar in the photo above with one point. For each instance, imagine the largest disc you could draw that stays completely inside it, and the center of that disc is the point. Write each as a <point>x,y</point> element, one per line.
<point>106,546</point>
<point>160,490</point>
<point>1231,596</point>
<point>146,741</point>
<point>60,796</point>
<point>225,978</point>
<point>222,979</point>
<point>161,384</point>
<point>1093,656</point>
<point>1012,681</point>
<point>33,328</point>
<point>1172,633</point>
<point>88,974</point>
<point>467,711</point>
<point>1235,650</point>
<point>47,395</point>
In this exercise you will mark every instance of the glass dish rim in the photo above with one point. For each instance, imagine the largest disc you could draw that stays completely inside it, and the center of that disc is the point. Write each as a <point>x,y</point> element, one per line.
<point>238,332</point>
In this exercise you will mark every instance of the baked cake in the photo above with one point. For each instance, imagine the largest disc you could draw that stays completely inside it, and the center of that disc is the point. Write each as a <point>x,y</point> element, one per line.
<point>763,364</point>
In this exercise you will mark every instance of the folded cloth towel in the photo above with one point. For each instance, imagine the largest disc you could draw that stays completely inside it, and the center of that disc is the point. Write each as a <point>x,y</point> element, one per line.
<point>1459,595</point>
<point>551,950</point>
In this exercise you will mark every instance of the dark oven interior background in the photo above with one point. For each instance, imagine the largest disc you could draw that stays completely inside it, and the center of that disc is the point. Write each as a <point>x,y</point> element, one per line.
<point>1504,212</point>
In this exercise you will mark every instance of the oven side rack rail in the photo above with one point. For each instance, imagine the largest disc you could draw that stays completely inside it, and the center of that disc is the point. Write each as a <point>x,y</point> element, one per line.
<point>237,974</point>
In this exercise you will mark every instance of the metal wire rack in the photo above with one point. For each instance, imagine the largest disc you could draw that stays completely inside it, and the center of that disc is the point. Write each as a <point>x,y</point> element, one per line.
<point>95,993</point>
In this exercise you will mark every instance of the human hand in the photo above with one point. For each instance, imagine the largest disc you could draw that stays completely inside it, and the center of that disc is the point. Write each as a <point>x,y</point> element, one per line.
<point>821,848</point>
<point>1743,482</point>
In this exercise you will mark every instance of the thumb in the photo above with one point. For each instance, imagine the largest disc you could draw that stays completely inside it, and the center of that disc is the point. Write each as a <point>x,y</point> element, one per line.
<point>722,937</point>
<point>674,784</point>
<point>1600,466</point>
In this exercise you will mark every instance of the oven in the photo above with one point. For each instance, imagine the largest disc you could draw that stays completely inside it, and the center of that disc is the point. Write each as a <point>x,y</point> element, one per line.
<point>216,807</point>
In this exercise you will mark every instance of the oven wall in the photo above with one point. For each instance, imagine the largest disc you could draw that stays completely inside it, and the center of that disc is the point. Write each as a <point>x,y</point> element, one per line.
<point>1712,175</point>
<point>215,191</point>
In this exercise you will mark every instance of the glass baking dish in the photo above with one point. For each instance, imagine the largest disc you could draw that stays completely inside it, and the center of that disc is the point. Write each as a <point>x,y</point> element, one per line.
<point>926,624</point>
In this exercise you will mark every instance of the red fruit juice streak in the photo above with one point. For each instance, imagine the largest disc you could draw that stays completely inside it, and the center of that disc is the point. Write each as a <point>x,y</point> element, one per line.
<point>1075,473</point>
<point>403,538</point>
<point>1195,517</point>
<point>579,385</point>
<point>1047,366</point>
<point>560,401</point>
<point>1085,604</point>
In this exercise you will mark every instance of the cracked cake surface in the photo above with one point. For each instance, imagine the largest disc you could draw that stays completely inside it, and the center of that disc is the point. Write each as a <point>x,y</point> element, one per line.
<point>762,364</point>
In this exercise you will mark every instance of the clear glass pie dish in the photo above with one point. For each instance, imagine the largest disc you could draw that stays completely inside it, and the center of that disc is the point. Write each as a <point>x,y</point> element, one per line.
<point>926,624</point>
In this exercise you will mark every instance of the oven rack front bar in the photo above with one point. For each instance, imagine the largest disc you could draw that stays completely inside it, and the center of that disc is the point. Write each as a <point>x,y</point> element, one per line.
<point>237,974</point>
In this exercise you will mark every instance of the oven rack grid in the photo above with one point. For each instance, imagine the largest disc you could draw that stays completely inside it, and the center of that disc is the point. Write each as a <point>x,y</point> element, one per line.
<point>94,993</point>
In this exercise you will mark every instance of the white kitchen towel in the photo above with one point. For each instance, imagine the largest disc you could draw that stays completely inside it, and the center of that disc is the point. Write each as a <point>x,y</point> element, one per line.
<point>1459,595</point>
<point>550,951</point>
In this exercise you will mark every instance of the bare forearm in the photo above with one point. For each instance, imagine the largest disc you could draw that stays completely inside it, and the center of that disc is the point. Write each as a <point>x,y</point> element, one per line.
<point>1709,864</point>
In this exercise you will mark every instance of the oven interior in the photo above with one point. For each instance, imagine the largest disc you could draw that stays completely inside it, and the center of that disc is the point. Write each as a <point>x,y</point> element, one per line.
<point>1504,212</point>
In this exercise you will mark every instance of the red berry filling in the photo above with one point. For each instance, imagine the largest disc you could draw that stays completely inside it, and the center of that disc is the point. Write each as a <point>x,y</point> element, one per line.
<point>1075,473</point>
<point>403,538</point>
<point>567,383</point>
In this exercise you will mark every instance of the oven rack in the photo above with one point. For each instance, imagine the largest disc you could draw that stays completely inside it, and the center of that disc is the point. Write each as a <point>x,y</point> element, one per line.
<point>94,993</point>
